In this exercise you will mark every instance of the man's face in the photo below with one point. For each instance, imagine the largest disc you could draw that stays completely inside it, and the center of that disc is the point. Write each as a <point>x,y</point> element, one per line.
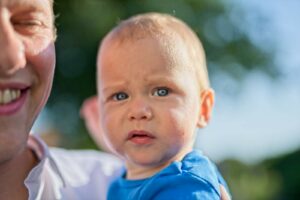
<point>27,61</point>
<point>149,102</point>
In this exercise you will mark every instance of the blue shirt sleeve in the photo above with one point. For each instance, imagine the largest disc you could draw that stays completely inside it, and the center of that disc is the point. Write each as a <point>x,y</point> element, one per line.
<point>181,187</point>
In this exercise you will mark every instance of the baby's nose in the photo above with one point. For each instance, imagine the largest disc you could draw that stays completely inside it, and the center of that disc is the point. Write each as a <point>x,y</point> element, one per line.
<point>140,109</point>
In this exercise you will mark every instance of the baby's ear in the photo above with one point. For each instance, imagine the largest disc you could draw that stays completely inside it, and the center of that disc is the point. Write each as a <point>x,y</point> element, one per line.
<point>206,106</point>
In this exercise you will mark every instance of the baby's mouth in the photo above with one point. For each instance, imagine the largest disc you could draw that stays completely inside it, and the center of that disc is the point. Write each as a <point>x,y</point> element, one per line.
<point>134,134</point>
<point>140,137</point>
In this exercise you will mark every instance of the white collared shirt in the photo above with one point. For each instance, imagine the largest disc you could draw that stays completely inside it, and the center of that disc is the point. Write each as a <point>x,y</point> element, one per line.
<point>70,174</point>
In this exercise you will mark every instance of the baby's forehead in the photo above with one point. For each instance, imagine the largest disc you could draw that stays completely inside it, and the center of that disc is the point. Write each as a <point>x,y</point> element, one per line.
<point>171,34</point>
<point>130,31</point>
<point>166,40</point>
<point>168,45</point>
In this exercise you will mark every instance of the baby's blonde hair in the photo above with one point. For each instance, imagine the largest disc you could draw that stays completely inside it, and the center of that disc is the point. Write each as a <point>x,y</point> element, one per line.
<point>164,26</point>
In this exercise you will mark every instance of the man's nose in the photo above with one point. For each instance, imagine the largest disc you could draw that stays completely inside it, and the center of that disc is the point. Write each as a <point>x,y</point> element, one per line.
<point>12,53</point>
<point>140,109</point>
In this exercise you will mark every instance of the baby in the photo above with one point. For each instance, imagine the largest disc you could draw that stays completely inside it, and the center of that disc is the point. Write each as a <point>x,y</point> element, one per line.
<point>153,94</point>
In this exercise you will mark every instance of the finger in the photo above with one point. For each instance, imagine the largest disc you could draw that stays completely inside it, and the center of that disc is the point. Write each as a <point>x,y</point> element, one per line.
<point>224,193</point>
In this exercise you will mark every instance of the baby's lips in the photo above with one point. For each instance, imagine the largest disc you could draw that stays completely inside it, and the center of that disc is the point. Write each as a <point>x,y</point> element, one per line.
<point>139,133</point>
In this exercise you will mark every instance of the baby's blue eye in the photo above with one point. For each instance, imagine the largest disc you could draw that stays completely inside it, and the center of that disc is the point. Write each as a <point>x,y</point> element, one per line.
<point>161,92</point>
<point>120,96</point>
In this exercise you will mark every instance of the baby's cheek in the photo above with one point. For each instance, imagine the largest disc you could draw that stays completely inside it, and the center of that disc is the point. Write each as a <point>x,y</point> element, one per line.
<point>112,127</point>
<point>175,121</point>
<point>183,123</point>
<point>107,127</point>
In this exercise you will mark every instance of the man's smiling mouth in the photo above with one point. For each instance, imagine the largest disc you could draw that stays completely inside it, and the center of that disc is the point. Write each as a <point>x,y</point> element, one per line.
<point>12,99</point>
<point>9,95</point>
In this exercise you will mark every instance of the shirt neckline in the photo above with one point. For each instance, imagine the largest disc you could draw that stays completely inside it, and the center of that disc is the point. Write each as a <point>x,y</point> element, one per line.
<point>47,166</point>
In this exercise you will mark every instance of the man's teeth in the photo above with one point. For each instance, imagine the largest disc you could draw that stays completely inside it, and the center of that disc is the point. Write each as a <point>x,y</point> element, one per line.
<point>9,95</point>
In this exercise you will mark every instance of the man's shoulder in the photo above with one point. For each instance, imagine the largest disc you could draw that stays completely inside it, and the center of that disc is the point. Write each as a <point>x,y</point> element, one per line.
<point>90,156</point>
<point>70,174</point>
<point>88,165</point>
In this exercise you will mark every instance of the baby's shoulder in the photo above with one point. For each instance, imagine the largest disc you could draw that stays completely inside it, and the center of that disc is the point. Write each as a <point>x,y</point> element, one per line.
<point>195,177</point>
<point>197,165</point>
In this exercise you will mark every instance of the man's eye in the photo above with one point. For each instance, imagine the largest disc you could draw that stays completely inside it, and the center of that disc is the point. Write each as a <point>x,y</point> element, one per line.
<point>161,92</point>
<point>120,96</point>
<point>28,23</point>
<point>28,26</point>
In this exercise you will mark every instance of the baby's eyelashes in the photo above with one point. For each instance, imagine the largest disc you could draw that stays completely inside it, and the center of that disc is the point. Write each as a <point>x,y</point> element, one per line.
<point>158,91</point>
<point>161,91</point>
<point>119,96</point>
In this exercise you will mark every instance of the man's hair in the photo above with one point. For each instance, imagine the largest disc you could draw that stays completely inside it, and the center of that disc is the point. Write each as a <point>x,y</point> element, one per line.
<point>53,19</point>
<point>164,25</point>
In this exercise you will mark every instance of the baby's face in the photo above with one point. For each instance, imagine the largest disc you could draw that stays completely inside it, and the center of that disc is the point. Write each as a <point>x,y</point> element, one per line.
<point>149,102</point>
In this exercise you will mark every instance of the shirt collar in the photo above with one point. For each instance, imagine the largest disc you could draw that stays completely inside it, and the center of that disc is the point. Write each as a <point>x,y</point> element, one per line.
<point>46,175</point>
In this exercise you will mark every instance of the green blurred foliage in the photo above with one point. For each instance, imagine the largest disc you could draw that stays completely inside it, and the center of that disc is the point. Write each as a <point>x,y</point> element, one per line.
<point>250,182</point>
<point>272,179</point>
<point>287,167</point>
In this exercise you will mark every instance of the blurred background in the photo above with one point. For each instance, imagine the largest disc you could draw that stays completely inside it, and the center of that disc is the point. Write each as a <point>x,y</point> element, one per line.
<point>253,57</point>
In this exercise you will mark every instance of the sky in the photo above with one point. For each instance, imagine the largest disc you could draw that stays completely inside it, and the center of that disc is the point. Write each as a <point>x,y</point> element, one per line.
<point>264,120</point>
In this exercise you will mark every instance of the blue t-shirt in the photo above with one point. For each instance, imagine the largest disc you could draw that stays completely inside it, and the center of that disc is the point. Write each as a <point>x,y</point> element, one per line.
<point>195,177</point>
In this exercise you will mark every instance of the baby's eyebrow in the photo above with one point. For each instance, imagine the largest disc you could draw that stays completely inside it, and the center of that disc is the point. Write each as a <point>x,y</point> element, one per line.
<point>113,86</point>
<point>160,79</point>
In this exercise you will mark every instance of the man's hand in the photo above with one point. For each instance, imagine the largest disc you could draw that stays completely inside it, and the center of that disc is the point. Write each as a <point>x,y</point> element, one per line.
<point>224,193</point>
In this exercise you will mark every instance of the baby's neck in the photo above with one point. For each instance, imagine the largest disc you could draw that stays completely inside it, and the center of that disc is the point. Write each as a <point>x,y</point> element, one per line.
<point>135,172</point>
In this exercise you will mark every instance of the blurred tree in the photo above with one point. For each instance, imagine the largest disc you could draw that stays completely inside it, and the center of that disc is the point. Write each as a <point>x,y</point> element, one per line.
<point>272,179</point>
<point>82,24</point>
<point>287,167</point>
<point>250,182</point>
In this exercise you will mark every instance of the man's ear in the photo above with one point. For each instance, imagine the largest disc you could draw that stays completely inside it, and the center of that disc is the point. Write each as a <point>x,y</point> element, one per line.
<point>206,106</point>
